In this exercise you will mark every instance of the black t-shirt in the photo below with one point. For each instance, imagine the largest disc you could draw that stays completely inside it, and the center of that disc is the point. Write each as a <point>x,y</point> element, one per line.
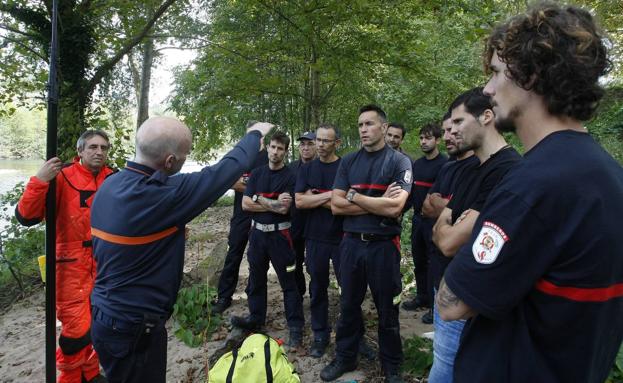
<point>320,224</point>
<point>298,217</point>
<point>239,214</point>
<point>424,175</point>
<point>474,188</point>
<point>370,173</point>
<point>544,269</point>
<point>269,184</point>
<point>448,179</point>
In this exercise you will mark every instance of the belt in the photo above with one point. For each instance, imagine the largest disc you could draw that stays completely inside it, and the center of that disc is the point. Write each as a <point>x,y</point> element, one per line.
<point>369,237</point>
<point>267,228</point>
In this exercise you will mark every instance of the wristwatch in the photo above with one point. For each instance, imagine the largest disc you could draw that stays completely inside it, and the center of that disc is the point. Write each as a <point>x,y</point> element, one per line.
<point>255,197</point>
<point>350,195</point>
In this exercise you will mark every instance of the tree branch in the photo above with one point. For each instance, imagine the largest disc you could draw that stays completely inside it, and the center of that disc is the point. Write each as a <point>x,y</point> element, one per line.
<point>15,30</point>
<point>29,49</point>
<point>107,66</point>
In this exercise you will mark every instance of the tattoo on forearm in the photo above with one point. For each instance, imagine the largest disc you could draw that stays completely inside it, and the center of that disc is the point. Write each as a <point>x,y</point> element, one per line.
<point>445,296</point>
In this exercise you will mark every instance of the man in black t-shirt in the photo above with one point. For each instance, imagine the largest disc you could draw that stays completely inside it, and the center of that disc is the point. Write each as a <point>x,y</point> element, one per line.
<point>323,230</point>
<point>541,277</point>
<point>396,133</point>
<point>473,128</point>
<point>268,197</point>
<point>307,152</point>
<point>236,240</point>
<point>371,185</point>
<point>425,171</point>
<point>443,190</point>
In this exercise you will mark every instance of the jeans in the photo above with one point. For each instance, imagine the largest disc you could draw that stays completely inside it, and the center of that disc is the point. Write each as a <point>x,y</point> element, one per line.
<point>445,345</point>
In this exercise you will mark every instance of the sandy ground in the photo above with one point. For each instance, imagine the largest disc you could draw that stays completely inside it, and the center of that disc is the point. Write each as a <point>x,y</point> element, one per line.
<point>22,326</point>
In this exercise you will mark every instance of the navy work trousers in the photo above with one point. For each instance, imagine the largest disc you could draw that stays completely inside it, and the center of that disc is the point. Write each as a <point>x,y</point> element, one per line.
<point>375,264</point>
<point>299,274</point>
<point>319,255</point>
<point>274,247</point>
<point>237,242</point>
<point>125,357</point>
<point>421,247</point>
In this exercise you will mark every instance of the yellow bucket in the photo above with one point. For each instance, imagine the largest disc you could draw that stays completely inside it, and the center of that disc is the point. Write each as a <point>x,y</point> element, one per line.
<point>41,260</point>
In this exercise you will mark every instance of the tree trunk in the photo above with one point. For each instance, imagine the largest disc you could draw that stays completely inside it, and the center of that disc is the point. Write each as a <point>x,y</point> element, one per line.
<point>314,77</point>
<point>148,60</point>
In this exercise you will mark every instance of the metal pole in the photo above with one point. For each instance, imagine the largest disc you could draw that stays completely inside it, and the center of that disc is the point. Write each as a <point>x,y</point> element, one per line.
<point>50,206</point>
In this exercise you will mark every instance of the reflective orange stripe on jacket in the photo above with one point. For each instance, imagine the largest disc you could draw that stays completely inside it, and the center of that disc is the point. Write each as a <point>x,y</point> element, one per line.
<point>124,240</point>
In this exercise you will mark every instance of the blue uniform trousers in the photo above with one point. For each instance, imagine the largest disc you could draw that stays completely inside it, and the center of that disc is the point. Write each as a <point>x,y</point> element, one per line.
<point>237,242</point>
<point>299,250</point>
<point>274,247</point>
<point>375,264</point>
<point>126,354</point>
<point>421,246</point>
<point>319,254</point>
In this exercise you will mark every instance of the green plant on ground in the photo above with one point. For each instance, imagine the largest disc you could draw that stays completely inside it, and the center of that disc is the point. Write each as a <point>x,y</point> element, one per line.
<point>418,356</point>
<point>19,248</point>
<point>616,374</point>
<point>192,312</point>
<point>225,200</point>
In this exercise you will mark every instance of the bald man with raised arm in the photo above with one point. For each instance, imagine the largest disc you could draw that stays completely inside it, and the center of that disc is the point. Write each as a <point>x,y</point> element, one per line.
<point>137,222</point>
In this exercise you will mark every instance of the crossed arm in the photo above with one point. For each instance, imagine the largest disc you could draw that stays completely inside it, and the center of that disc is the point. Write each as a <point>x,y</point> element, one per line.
<point>281,205</point>
<point>450,237</point>
<point>389,205</point>
<point>309,200</point>
<point>433,205</point>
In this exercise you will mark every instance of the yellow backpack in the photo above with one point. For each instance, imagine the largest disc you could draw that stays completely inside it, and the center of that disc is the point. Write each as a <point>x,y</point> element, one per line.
<point>259,359</point>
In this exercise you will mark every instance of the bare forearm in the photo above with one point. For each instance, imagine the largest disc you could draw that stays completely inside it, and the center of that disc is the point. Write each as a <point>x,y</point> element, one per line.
<point>450,307</point>
<point>311,201</point>
<point>383,206</point>
<point>239,186</point>
<point>450,238</point>
<point>273,205</point>
<point>250,206</point>
<point>341,206</point>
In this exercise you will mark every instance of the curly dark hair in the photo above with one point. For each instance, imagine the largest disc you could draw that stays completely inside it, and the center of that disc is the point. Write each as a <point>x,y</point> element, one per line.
<point>557,52</point>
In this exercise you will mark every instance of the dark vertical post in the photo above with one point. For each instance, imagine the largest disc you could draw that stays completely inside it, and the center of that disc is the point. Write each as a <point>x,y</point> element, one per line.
<point>50,206</point>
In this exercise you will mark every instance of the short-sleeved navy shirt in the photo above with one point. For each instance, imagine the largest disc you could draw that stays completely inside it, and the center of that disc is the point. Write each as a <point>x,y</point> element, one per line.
<point>320,224</point>
<point>424,175</point>
<point>447,181</point>
<point>544,269</point>
<point>370,173</point>
<point>474,188</point>
<point>269,184</point>
<point>239,214</point>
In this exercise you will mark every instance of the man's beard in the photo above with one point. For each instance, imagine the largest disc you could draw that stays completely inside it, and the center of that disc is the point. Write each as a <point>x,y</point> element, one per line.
<point>507,124</point>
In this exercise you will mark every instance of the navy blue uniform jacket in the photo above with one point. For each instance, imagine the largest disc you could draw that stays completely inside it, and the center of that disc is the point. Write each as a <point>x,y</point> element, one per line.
<point>137,221</point>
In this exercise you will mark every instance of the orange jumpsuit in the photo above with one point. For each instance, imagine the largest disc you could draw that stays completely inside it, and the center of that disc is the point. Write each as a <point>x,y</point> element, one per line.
<point>75,266</point>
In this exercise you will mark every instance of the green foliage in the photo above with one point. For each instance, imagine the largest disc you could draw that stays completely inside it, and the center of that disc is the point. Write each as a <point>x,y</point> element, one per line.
<point>406,261</point>
<point>418,356</point>
<point>22,133</point>
<point>19,270</point>
<point>225,200</point>
<point>616,374</point>
<point>194,320</point>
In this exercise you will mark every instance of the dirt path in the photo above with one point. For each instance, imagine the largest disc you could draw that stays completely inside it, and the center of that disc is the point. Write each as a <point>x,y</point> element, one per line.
<point>22,328</point>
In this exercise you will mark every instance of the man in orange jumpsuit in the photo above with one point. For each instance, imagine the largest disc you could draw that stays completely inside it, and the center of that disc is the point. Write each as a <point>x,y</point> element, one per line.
<point>76,183</point>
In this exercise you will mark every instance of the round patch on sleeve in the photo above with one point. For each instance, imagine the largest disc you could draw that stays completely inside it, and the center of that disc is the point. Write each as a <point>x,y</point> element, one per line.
<point>489,243</point>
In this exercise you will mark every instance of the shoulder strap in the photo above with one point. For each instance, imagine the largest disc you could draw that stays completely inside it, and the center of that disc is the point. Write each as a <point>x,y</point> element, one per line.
<point>269,370</point>
<point>230,373</point>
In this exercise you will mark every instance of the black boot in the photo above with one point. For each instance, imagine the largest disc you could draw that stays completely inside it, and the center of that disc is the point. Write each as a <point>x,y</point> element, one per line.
<point>335,369</point>
<point>220,305</point>
<point>245,323</point>
<point>319,347</point>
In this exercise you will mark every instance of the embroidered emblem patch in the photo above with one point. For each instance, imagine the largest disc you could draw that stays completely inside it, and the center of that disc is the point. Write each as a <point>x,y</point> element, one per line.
<point>407,177</point>
<point>489,242</point>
